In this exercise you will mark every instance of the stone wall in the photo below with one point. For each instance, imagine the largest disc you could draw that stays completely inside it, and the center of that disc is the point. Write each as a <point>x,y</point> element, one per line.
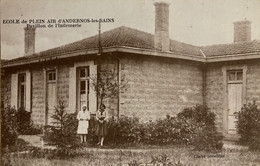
<point>5,89</point>
<point>63,84</point>
<point>38,112</point>
<point>159,86</point>
<point>253,82</point>
<point>214,91</point>
<point>215,95</point>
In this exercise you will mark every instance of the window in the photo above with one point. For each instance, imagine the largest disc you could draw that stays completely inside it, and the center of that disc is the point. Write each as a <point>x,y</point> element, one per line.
<point>84,72</point>
<point>235,76</point>
<point>82,87</point>
<point>51,76</point>
<point>21,90</point>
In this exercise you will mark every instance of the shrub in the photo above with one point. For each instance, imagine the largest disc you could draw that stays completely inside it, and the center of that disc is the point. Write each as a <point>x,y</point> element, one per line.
<point>20,145</point>
<point>25,124</point>
<point>9,133</point>
<point>170,130</point>
<point>248,125</point>
<point>34,130</point>
<point>189,127</point>
<point>255,139</point>
<point>199,114</point>
<point>124,130</point>
<point>63,132</point>
<point>204,133</point>
<point>13,123</point>
<point>207,138</point>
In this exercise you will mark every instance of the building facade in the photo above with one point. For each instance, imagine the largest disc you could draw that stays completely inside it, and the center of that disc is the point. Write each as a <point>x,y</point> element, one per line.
<point>164,75</point>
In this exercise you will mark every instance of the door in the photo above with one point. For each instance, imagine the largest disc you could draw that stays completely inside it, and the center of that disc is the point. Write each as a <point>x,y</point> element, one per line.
<point>234,105</point>
<point>235,88</point>
<point>51,96</point>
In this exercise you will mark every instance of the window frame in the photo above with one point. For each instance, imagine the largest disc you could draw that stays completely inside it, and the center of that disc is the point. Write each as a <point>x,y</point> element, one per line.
<point>79,79</point>
<point>235,79</point>
<point>20,85</point>
<point>52,73</point>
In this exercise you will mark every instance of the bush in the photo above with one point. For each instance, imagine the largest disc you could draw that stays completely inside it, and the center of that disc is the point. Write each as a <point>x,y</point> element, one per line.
<point>199,114</point>
<point>255,139</point>
<point>24,122</point>
<point>248,125</point>
<point>170,130</point>
<point>189,127</point>
<point>34,130</point>
<point>194,126</point>
<point>20,145</point>
<point>63,132</point>
<point>9,133</point>
<point>205,135</point>
<point>124,130</point>
<point>207,138</point>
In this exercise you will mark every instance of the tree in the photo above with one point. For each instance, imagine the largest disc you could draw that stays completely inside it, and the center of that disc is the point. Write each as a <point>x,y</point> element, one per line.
<point>106,84</point>
<point>63,132</point>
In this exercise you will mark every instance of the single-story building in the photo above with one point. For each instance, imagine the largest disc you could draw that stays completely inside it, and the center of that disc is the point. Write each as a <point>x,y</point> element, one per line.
<point>164,75</point>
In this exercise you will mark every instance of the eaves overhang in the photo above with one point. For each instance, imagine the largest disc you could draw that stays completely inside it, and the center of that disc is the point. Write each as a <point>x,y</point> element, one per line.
<point>235,57</point>
<point>124,49</point>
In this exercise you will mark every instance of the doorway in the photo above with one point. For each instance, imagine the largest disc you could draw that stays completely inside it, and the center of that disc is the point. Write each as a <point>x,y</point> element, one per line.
<point>235,88</point>
<point>51,91</point>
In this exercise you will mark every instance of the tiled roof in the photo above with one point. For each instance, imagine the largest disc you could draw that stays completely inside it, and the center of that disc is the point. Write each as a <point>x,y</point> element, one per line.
<point>121,36</point>
<point>124,36</point>
<point>232,49</point>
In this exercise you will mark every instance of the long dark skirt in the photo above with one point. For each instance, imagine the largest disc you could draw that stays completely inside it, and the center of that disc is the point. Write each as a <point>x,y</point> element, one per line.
<point>101,128</point>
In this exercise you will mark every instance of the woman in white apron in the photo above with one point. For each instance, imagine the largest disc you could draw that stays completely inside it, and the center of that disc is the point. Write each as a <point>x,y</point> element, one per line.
<point>83,118</point>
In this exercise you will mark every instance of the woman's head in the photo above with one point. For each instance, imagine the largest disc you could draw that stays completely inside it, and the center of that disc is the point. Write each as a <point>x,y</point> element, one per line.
<point>102,107</point>
<point>84,107</point>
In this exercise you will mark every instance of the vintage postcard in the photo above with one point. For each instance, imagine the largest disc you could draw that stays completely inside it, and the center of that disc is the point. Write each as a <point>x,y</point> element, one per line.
<point>130,82</point>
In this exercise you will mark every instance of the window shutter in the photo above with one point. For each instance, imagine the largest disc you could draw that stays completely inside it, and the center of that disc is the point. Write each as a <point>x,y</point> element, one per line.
<point>14,90</point>
<point>92,93</point>
<point>28,91</point>
<point>72,90</point>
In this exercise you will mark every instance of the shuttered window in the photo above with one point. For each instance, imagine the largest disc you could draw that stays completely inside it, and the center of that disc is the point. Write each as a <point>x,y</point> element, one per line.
<point>22,90</point>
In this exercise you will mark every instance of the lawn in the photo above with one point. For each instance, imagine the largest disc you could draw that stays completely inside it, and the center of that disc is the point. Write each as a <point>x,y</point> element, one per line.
<point>187,156</point>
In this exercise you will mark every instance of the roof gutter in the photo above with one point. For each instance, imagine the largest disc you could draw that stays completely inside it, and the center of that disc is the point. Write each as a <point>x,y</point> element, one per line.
<point>141,51</point>
<point>37,59</point>
<point>235,57</point>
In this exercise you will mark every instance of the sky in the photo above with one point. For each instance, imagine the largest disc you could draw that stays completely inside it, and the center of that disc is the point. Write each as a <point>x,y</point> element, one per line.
<point>196,22</point>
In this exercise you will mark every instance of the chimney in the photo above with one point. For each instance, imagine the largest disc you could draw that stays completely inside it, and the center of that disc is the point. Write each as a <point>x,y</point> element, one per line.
<point>161,36</point>
<point>29,41</point>
<point>242,31</point>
